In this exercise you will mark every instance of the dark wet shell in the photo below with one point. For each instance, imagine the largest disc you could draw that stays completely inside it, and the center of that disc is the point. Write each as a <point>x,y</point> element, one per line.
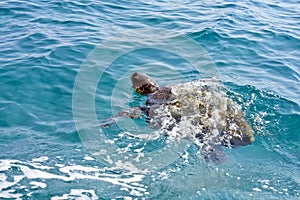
<point>161,96</point>
<point>232,123</point>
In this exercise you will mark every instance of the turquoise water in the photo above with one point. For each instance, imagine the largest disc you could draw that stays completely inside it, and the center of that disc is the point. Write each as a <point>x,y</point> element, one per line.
<point>45,45</point>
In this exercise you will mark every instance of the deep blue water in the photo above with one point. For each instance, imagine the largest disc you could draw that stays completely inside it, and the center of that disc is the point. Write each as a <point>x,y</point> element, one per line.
<point>49,150</point>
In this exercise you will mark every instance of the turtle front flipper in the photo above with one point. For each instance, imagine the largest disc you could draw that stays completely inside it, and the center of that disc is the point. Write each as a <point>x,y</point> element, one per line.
<point>133,113</point>
<point>108,122</point>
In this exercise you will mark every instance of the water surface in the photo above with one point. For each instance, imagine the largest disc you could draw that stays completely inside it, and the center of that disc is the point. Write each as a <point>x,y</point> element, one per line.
<point>254,45</point>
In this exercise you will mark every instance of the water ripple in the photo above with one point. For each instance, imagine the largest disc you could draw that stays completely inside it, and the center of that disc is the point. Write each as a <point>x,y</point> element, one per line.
<point>255,45</point>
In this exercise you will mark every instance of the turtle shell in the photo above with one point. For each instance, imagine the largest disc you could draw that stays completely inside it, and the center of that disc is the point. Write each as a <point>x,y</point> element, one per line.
<point>199,109</point>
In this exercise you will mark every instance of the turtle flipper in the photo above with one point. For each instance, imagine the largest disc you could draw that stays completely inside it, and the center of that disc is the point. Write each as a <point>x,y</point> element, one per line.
<point>108,122</point>
<point>133,113</point>
<point>216,155</point>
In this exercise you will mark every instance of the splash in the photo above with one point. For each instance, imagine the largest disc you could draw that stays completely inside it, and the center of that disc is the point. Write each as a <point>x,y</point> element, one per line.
<point>31,176</point>
<point>201,112</point>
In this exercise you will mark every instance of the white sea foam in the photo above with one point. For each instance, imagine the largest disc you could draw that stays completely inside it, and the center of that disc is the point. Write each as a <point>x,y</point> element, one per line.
<point>78,194</point>
<point>130,179</point>
<point>40,159</point>
<point>86,157</point>
<point>36,184</point>
<point>10,194</point>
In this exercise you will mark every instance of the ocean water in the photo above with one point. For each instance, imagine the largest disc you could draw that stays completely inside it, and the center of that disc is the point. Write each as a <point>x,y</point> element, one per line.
<point>65,66</point>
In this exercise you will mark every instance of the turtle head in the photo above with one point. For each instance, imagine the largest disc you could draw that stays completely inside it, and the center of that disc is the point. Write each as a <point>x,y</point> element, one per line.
<point>143,84</point>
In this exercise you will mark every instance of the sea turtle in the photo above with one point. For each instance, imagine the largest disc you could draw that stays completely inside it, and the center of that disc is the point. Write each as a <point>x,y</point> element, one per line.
<point>197,110</point>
